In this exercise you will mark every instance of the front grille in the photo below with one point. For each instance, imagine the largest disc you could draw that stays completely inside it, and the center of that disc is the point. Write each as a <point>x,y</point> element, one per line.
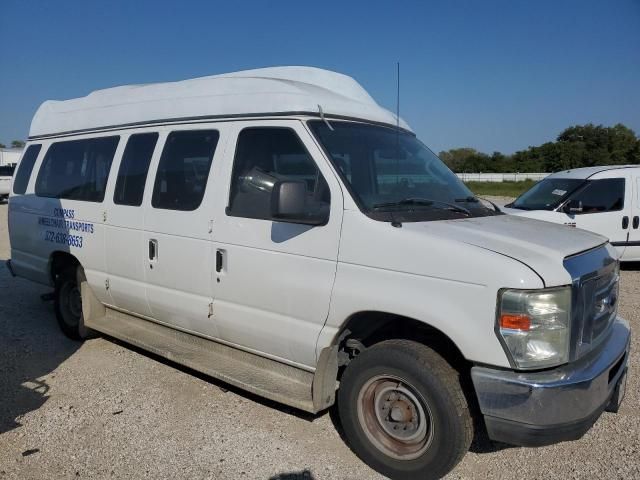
<point>594,303</point>
<point>599,299</point>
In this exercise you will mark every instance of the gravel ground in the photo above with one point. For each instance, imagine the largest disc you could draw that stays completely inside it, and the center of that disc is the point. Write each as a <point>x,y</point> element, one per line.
<point>101,409</point>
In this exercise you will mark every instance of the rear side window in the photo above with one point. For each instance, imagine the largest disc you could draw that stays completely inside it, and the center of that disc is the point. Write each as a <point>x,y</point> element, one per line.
<point>134,168</point>
<point>77,169</point>
<point>25,168</point>
<point>184,169</point>
<point>264,156</point>
<point>605,195</point>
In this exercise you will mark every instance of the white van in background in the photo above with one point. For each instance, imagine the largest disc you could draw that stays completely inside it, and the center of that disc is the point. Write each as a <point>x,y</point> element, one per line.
<point>604,200</point>
<point>6,174</point>
<point>280,231</point>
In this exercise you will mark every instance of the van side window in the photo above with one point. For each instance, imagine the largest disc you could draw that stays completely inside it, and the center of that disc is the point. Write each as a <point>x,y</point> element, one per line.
<point>25,168</point>
<point>184,169</point>
<point>606,195</point>
<point>134,168</point>
<point>77,169</point>
<point>265,155</point>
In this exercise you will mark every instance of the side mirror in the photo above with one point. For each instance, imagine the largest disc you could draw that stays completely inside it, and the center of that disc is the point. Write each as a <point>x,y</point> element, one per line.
<point>573,206</point>
<point>289,204</point>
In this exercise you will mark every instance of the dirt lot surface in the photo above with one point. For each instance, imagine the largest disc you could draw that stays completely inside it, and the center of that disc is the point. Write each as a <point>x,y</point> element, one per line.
<point>100,409</point>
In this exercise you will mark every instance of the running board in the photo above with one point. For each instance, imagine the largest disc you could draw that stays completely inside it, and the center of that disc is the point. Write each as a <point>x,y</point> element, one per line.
<point>262,376</point>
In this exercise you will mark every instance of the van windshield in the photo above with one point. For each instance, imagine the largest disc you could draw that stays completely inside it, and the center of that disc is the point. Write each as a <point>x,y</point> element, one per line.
<point>393,176</point>
<point>547,194</point>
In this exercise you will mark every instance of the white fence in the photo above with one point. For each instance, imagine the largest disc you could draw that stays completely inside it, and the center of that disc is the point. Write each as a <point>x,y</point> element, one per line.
<point>500,177</point>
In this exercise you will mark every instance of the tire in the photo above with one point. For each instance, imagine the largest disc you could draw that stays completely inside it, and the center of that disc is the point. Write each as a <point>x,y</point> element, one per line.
<point>403,411</point>
<point>68,304</point>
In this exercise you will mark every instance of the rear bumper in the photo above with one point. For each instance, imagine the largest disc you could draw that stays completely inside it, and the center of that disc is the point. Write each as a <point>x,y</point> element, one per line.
<point>540,408</point>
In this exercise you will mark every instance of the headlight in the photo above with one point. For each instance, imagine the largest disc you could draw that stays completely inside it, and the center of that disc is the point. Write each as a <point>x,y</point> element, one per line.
<point>534,325</point>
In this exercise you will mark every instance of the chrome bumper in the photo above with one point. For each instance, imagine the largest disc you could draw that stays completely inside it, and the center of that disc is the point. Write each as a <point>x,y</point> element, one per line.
<point>539,408</point>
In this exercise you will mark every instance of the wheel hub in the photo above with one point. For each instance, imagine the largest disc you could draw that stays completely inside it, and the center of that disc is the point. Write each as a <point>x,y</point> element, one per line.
<point>395,417</point>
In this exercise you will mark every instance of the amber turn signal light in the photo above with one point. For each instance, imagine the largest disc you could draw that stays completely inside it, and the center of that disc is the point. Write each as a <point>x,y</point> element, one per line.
<point>515,322</point>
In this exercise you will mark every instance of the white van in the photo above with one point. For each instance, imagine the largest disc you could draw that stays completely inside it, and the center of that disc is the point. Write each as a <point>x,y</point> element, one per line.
<point>280,231</point>
<point>6,173</point>
<point>604,200</point>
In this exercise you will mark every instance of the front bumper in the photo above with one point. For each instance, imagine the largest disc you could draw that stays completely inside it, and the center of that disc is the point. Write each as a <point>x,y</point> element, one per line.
<point>540,408</point>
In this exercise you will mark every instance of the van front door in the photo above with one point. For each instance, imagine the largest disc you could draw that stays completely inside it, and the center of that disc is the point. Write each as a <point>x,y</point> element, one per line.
<point>274,279</point>
<point>604,207</point>
<point>178,251</point>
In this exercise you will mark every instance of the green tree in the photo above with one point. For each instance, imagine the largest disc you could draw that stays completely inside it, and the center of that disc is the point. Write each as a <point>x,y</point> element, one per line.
<point>575,147</point>
<point>17,144</point>
<point>457,158</point>
<point>2,145</point>
<point>617,145</point>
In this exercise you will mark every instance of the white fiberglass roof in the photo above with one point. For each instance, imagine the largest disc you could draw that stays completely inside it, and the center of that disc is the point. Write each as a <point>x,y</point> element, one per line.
<point>586,172</point>
<point>274,90</point>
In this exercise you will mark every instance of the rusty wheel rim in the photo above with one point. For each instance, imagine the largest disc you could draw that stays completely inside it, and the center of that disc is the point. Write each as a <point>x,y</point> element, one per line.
<point>395,417</point>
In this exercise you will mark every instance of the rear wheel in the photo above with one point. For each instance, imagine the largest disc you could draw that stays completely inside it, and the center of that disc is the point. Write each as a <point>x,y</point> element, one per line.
<point>68,303</point>
<point>404,412</point>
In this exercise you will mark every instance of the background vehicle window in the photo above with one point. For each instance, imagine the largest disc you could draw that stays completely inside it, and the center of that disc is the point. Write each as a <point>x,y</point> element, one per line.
<point>605,195</point>
<point>134,168</point>
<point>547,194</point>
<point>184,169</point>
<point>7,170</point>
<point>264,156</point>
<point>77,169</point>
<point>25,168</point>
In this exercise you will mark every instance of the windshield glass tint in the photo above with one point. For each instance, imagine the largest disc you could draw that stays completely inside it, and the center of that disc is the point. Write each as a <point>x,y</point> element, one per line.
<point>547,194</point>
<point>383,165</point>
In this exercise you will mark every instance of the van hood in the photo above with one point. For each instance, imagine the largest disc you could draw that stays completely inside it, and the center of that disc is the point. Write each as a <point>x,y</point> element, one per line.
<point>539,214</point>
<point>542,246</point>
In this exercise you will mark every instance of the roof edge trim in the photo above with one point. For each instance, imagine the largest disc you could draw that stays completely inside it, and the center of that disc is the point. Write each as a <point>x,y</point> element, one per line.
<point>204,118</point>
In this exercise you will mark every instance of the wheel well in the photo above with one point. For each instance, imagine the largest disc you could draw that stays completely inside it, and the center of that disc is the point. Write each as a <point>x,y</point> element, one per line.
<point>59,262</point>
<point>365,329</point>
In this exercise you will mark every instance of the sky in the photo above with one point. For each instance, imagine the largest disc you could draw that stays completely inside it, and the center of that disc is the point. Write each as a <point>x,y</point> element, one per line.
<point>495,75</point>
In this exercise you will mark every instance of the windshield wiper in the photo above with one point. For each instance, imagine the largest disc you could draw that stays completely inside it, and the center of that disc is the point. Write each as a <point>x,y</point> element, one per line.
<point>426,202</point>
<point>469,199</point>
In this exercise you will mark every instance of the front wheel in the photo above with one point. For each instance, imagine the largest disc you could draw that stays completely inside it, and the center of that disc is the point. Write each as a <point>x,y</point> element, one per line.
<point>68,304</point>
<point>403,411</point>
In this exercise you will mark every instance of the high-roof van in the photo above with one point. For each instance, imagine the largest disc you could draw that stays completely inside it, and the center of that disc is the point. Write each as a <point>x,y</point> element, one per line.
<point>604,200</point>
<point>280,231</point>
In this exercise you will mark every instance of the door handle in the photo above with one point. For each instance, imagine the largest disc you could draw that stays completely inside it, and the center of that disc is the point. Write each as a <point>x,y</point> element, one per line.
<point>219,260</point>
<point>625,222</point>
<point>636,222</point>
<point>153,249</point>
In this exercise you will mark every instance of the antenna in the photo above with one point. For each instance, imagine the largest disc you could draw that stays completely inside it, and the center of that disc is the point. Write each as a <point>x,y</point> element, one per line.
<point>398,123</point>
<point>398,96</point>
